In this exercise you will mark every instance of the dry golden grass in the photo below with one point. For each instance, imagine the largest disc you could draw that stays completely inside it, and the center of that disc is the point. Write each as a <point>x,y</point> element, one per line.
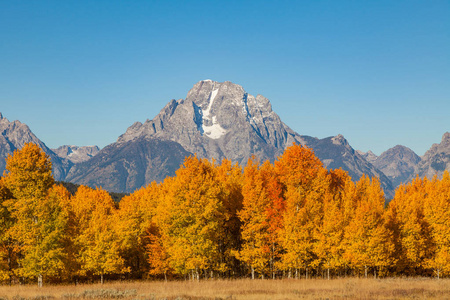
<point>346,288</point>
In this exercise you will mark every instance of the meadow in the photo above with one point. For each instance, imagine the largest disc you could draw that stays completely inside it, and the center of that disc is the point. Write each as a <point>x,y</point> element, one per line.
<point>343,288</point>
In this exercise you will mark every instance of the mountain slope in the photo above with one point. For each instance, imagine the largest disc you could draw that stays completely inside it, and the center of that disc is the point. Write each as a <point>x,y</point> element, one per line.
<point>14,135</point>
<point>436,160</point>
<point>124,167</point>
<point>398,164</point>
<point>335,152</point>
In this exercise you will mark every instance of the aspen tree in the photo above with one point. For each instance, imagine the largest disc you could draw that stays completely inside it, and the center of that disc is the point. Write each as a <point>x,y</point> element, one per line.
<point>28,176</point>
<point>437,213</point>
<point>301,173</point>
<point>415,244</point>
<point>96,241</point>
<point>368,240</point>
<point>190,216</point>
<point>133,220</point>
<point>9,249</point>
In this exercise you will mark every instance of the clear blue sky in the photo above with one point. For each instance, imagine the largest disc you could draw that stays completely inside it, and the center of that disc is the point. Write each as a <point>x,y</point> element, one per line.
<point>81,72</point>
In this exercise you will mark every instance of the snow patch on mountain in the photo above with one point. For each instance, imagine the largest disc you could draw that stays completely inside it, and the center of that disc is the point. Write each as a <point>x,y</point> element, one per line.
<point>210,126</point>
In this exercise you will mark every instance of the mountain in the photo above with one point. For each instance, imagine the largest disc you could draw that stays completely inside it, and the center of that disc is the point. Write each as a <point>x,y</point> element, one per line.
<point>219,120</point>
<point>124,167</point>
<point>335,152</point>
<point>398,164</point>
<point>436,160</point>
<point>216,120</point>
<point>76,154</point>
<point>369,156</point>
<point>14,135</point>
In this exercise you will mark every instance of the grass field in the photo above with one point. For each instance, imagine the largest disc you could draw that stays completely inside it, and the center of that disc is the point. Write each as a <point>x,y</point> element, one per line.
<point>348,288</point>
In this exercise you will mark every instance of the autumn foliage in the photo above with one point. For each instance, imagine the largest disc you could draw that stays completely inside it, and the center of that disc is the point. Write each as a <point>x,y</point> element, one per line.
<point>289,219</point>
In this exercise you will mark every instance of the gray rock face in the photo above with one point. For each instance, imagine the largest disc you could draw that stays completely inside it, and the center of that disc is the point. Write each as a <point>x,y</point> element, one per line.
<point>398,164</point>
<point>14,135</point>
<point>335,152</point>
<point>436,160</point>
<point>218,120</point>
<point>369,156</point>
<point>76,154</point>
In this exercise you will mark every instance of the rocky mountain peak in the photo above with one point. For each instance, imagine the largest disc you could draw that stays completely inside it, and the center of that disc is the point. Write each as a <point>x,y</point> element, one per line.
<point>14,135</point>
<point>437,159</point>
<point>446,139</point>
<point>339,140</point>
<point>218,119</point>
<point>76,154</point>
<point>398,163</point>
<point>369,156</point>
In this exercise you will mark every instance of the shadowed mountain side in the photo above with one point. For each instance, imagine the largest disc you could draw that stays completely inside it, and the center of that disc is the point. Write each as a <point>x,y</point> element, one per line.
<point>124,167</point>
<point>335,152</point>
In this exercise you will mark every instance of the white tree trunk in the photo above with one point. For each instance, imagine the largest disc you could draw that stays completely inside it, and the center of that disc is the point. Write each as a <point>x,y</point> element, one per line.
<point>40,281</point>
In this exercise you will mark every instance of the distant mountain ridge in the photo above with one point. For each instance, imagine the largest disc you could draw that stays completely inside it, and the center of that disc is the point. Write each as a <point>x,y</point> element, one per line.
<point>76,154</point>
<point>216,120</point>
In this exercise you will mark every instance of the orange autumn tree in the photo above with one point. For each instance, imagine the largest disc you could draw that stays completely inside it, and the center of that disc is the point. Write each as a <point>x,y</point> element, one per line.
<point>368,240</point>
<point>437,214</point>
<point>190,216</point>
<point>96,239</point>
<point>413,232</point>
<point>133,220</point>
<point>230,178</point>
<point>304,185</point>
<point>260,217</point>
<point>159,259</point>
<point>9,249</point>
<point>330,233</point>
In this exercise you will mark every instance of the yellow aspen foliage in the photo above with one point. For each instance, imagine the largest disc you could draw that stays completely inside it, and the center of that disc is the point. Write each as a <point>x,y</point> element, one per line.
<point>28,173</point>
<point>368,240</point>
<point>46,252</point>
<point>255,250</point>
<point>303,177</point>
<point>413,232</point>
<point>261,218</point>
<point>158,258</point>
<point>133,220</point>
<point>189,218</point>
<point>437,214</point>
<point>229,176</point>
<point>37,230</point>
<point>9,249</point>
<point>331,231</point>
<point>97,240</point>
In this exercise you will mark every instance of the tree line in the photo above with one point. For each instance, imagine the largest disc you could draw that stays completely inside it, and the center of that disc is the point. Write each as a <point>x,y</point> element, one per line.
<point>289,219</point>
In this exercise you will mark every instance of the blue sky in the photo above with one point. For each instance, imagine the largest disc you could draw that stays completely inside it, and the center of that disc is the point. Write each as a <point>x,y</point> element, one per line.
<point>81,72</point>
